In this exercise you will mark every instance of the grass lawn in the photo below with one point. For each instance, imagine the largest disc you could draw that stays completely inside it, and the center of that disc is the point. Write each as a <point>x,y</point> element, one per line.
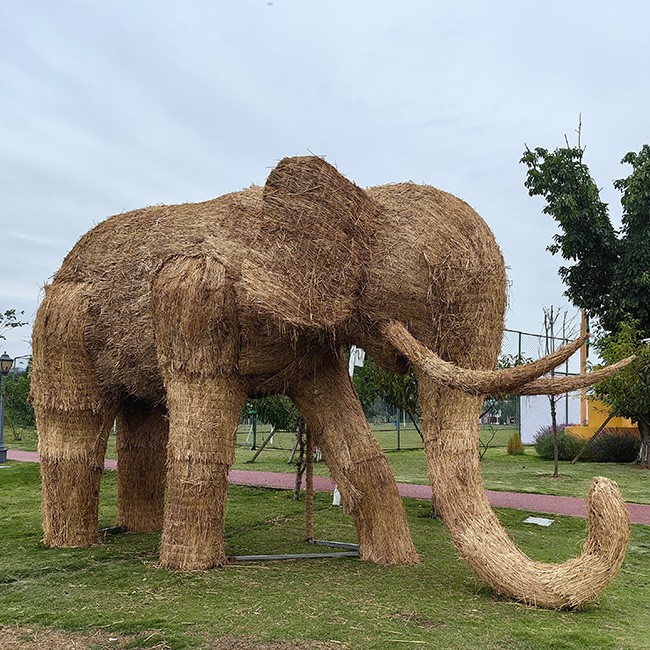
<point>115,590</point>
<point>527,473</point>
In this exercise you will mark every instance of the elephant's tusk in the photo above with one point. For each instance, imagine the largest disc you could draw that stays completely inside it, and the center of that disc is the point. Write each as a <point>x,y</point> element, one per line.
<point>558,385</point>
<point>474,382</point>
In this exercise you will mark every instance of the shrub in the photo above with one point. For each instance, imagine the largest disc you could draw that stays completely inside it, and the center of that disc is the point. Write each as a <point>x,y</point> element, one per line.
<point>515,446</point>
<point>613,446</point>
<point>568,445</point>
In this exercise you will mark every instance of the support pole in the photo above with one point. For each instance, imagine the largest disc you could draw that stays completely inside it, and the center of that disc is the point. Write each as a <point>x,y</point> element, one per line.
<point>588,443</point>
<point>309,488</point>
<point>261,449</point>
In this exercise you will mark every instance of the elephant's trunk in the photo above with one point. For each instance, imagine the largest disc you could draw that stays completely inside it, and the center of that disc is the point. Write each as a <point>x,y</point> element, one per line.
<point>451,398</point>
<point>451,430</point>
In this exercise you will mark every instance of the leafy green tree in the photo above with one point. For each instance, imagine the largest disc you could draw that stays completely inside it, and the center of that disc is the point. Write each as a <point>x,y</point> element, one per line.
<point>627,393</point>
<point>9,320</point>
<point>610,274</point>
<point>280,412</point>
<point>401,391</point>
<point>19,413</point>
<point>398,391</point>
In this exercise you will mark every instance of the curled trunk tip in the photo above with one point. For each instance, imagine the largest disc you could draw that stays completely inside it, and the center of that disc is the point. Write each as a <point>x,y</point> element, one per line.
<point>568,585</point>
<point>451,434</point>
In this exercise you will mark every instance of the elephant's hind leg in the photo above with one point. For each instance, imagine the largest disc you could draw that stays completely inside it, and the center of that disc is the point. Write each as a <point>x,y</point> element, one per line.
<point>72,445</point>
<point>72,417</point>
<point>196,337</point>
<point>142,432</point>
<point>332,411</point>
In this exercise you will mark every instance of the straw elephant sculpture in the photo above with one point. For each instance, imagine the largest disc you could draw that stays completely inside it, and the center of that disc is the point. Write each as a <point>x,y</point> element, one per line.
<point>167,319</point>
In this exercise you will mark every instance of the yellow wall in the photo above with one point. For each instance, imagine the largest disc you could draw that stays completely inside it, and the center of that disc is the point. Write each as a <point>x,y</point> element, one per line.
<point>597,414</point>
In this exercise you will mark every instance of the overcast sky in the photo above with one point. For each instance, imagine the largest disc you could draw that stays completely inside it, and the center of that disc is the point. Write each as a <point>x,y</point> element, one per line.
<point>110,106</point>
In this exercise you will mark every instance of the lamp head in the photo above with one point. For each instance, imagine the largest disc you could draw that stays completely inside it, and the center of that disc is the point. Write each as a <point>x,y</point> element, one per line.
<point>6,362</point>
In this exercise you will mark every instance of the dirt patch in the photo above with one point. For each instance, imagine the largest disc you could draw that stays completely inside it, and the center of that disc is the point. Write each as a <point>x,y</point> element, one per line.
<point>414,618</point>
<point>23,638</point>
<point>232,643</point>
<point>12,638</point>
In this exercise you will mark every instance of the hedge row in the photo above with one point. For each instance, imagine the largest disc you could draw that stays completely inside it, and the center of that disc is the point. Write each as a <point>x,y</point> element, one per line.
<point>611,446</point>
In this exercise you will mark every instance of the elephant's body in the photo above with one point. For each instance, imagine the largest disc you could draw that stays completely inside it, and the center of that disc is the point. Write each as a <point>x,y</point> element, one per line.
<point>118,260</point>
<point>168,318</point>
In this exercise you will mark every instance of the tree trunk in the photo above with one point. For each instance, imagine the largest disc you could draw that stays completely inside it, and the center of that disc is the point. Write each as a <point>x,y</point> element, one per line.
<point>300,464</point>
<point>556,454</point>
<point>644,451</point>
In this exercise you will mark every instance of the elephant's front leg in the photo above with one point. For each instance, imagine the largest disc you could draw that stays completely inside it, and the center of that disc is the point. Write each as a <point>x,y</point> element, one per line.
<point>197,343</point>
<point>332,411</point>
<point>203,418</point>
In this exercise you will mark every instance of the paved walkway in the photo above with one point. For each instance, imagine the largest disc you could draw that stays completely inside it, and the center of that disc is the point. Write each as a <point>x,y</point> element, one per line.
<point>639,513</point>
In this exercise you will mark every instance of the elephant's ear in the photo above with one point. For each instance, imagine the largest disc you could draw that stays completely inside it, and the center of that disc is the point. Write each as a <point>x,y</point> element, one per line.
<point>308,265</point>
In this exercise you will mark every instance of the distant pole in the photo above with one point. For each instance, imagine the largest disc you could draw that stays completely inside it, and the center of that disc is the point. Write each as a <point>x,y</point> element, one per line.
<point>3,449</point>
<point>584,350</point>
<point>399,437</point>
<point>6,362</point>
<point>399,417</point>
<point>566,371</point>
<point>519,397</point>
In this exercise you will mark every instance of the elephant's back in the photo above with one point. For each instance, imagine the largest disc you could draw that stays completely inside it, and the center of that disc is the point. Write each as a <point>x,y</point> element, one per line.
<point>134,244</point>
<point>116,262</point>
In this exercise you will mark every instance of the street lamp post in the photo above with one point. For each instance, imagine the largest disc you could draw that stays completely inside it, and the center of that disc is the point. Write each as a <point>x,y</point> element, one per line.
<point>5,366</point>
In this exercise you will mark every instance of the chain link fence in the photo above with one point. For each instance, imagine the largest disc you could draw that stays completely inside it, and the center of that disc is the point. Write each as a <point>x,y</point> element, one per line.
<point>534,412</point>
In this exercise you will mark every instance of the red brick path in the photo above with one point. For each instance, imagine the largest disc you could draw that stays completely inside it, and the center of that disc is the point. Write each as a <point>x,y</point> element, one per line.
<point>639,513</point>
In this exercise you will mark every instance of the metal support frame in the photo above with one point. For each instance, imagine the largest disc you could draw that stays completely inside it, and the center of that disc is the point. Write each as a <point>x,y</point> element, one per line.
<point>352,552</point>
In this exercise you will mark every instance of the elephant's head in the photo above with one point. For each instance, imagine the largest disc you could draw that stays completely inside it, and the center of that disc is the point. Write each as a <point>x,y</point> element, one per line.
<point>414,275</point>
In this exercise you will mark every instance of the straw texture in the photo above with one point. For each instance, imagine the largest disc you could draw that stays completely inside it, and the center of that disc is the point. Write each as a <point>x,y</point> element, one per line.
<point>451,445</point>
<point>202,437</point>
<point>72,445</point>
<point>559,385</point>
<point>309,263</point>
<point>60,358</point>
<point>478,382</point>
<point>142,431</point>
<point>438,292</point>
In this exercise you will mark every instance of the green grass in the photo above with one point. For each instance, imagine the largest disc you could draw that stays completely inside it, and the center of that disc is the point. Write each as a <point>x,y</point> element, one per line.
<point>532,474</point>
<point>115,587</point>
<point>527,473</point>
<point>283,441</point>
